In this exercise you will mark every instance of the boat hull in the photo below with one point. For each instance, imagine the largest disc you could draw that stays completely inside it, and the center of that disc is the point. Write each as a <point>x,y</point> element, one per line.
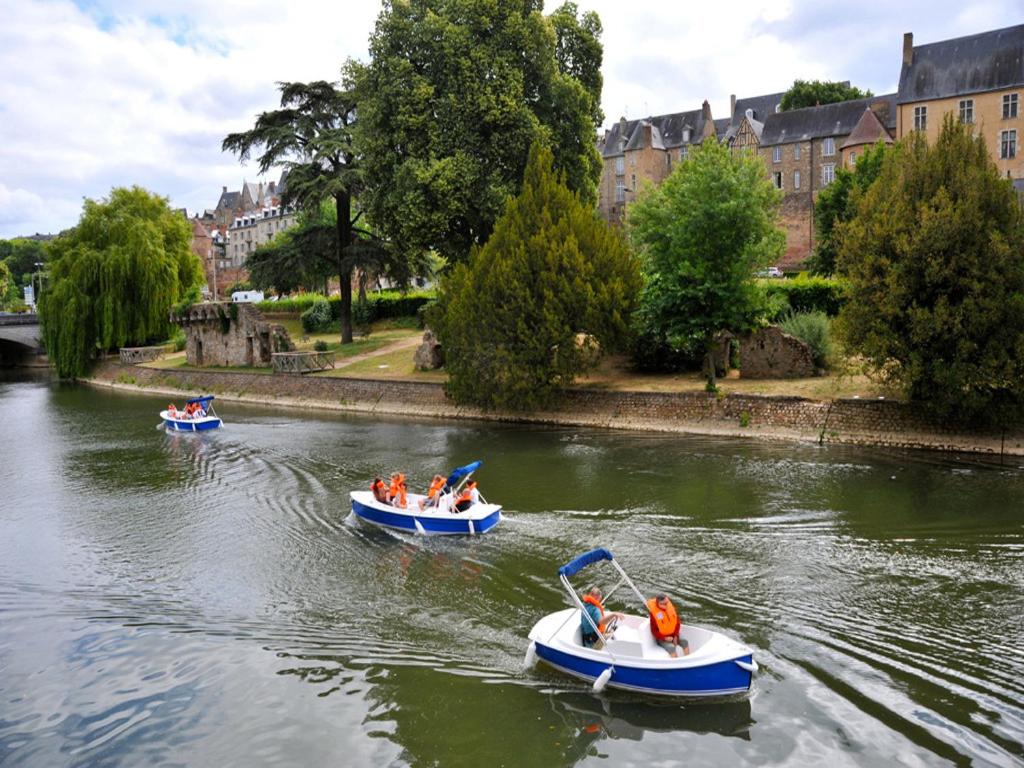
<point>721,678</point>
<point>414,521</point>
<point>190,425</point>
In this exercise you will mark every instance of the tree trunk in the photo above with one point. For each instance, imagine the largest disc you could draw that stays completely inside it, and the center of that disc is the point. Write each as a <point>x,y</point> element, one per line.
<point>343,203</point>
<point>710,364</point>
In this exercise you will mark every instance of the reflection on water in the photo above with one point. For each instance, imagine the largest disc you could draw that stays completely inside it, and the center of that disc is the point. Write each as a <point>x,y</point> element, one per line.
<point>208,598</point>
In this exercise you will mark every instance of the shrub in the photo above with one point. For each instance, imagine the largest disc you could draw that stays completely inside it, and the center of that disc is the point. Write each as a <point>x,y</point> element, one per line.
<point>812,328</point>
<point>320,345</point>
<point>378,306</point>
<point>317,317</point>
<point>178,339</point>
<point>657,355</point>
<point>362,314</point>
<point>809,294</point>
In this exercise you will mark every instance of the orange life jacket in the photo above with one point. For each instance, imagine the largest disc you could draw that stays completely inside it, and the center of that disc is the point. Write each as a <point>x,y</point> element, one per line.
<point>595,602</point>
<point>397,491</point>
<point>467,494</point>
<point>435,488</point>
<point>377,484</point>
<point>664,621</point>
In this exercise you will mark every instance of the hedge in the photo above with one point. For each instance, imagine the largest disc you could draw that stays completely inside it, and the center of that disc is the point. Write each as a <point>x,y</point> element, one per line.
<point>809,294</point>
<point>379,306</point>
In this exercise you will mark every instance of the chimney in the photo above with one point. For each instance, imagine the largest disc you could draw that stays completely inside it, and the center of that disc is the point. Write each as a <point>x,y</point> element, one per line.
<point>709,123</point>
<point>224,190</point>
<point>732,105</point>
<point>908,48</point>
<point>705,111</point>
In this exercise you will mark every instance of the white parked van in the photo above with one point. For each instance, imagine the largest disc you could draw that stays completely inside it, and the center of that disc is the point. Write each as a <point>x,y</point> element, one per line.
<point>244,296</point>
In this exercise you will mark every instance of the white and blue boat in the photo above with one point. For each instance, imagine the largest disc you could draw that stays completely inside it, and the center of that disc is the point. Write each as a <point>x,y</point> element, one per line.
<point>442,519</point>
<point>177,421</point>
<point>628,656</point>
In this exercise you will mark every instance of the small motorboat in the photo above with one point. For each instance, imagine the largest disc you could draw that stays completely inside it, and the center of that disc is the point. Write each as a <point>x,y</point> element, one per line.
<point>201,418</point>
<point>628,657</point>
<point>443,518</point>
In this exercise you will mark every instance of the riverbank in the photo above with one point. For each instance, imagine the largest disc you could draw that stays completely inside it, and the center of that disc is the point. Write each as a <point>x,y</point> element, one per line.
<point>850,421</point>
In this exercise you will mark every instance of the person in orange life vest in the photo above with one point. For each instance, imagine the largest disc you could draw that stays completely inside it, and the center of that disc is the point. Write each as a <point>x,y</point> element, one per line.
<point>593,614</point>
<point>469,496</point>
<point>665,625</point>
<point>380,491</point>
<point>172,411</point>
<point>396,493</point>
<point>433,493</point>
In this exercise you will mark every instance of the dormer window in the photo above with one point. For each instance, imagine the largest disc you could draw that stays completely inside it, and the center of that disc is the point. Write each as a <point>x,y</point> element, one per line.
<point>686,135</point>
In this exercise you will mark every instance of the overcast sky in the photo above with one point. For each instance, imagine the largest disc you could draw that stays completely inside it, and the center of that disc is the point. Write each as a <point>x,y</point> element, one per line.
<point>100,93</point>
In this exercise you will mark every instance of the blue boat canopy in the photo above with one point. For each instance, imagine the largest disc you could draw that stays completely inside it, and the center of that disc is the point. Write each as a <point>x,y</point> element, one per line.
<point>460,472</point>
<point>587,558</point>
<point>203,401</point>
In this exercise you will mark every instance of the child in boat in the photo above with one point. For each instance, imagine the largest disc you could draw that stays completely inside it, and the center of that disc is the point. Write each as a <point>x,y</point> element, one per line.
<point>380,491</point>
<point>469,496</point>
<point>433,493</point>
<point>665,625</point>
<point>397,490</point>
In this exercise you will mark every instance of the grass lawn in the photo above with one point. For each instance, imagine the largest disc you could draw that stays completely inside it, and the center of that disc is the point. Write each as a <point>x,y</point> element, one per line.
<point>392,365</point>
<point>382,333</point>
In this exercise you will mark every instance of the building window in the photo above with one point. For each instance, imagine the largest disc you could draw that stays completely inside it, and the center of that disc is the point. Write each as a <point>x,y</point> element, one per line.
<point>633,185</point>
<point>829,147</point>
<point>967,111</point>
<point>796,179</point>
<point>1009,106</point>
<point>620,166</point>
<point>1008,144</point>
<point>853,158</point>
<point>777,154</point>
<point>684,153</point>
<point>686,135</point>
<point>920,118</point>
<point>796,151</point>
<point>777,179</point>
<point>620,192</point>
<point>828,174</point>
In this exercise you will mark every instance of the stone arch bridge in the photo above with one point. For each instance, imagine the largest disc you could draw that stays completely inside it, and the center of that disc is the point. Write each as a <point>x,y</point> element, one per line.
<point>20,338</point>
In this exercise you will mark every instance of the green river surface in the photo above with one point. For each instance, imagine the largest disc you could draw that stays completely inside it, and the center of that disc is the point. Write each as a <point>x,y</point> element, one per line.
<point>207,600</point>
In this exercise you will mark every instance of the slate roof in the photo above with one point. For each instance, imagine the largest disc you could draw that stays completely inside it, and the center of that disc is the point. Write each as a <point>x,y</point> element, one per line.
<point>984,62</point>
<point>869,130</point>
<point>837,119</point>
<point>229,201</point>
<point>666,132</point>
<point>762,107</point>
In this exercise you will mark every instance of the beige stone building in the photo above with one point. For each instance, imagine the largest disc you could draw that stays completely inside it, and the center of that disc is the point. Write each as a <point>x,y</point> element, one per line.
<point>252,230</point>
<point>802,150</point>
<point>979,79</point>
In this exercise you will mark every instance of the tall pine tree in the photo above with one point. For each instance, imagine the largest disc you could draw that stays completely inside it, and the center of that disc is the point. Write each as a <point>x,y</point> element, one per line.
<point>510,320</point>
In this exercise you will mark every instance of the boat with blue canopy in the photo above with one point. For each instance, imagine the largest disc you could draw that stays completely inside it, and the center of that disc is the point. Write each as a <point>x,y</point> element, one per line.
<point>442,517</point>
<point>627,655</point>
<point>197,416</point>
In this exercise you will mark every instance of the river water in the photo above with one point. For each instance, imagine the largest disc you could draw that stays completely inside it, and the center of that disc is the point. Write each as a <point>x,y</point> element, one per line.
<point>206,599</point>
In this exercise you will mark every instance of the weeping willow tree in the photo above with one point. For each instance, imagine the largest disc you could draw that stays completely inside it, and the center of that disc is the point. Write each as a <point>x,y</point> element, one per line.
<point>114,278</point>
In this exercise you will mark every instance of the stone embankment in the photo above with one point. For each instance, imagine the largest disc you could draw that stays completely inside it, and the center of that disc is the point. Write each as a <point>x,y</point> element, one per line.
<point>847,421</point>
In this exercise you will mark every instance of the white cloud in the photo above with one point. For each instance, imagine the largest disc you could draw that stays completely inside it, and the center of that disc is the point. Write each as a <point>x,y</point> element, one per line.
<point>104,92</point>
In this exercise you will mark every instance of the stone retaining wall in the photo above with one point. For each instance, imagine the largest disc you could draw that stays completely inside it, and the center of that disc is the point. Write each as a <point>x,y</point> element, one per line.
<point>851,421</point>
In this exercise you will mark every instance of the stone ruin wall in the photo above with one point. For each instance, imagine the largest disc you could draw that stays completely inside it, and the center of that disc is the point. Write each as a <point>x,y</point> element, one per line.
<point>229,334</point>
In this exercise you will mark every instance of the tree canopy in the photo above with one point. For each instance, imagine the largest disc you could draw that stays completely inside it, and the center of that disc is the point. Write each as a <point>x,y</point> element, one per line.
<point>838,202</point>
<point>936,277</point>
<point>701,236</point>
<point>311,136</point>
<point>21,256</point>
<point>114,277</point>
<point>808,93</point>
<point>454,95</point>
<point>510,319</point>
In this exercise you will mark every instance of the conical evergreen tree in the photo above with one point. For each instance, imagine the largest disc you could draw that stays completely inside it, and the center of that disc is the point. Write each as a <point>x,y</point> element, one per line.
<point>511,319</point>
<point>114,278</point>
<point>935,263</point>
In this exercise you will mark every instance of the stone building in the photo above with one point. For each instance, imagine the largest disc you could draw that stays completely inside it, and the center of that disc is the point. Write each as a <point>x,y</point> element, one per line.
<point>253,229</point>
<point>638,151</point>
<point>803,148</point>
<point>979,79</point>
<point>228,334</point>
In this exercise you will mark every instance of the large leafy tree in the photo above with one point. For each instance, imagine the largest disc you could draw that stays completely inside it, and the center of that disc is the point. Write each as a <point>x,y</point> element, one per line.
<point>454,95</point>
<point>511,318</point>
<point>936,277</point>
<point>311,136</point>
<point>114,277</point>
<point>837,203</point>
<point>21,256</point>
<point>808,93</point>
<point>702,234</point>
